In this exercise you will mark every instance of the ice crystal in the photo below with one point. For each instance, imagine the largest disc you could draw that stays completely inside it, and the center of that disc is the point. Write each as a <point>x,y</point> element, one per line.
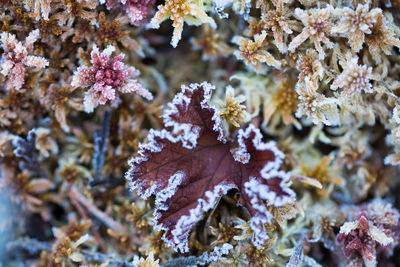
<point>107,76</point>
<point>16,57</point>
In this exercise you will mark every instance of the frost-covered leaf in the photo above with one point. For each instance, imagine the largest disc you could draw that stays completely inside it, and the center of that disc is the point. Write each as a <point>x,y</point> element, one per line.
<point>190,164</point>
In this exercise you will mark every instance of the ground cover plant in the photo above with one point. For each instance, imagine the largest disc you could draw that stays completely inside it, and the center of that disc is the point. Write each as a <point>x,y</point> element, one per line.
<point>199,133</point>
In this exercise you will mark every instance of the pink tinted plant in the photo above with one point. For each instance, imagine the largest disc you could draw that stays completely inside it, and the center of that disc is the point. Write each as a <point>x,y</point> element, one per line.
<point>373,231</point>
<point>16,57</point>
<point>105,77</point>
<point>136,10</point>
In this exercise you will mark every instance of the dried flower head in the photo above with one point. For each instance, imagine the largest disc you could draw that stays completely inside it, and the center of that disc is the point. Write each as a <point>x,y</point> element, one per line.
<point>39,8</point>
<point>107,76</point>
<point>211,44</point>
<point>323,171</point>
<point>44,143</point>
<point>224,233</point>
<point>16,57</point>
<point>281,102</point>
<point>310,66</point>
<point>23,190</point>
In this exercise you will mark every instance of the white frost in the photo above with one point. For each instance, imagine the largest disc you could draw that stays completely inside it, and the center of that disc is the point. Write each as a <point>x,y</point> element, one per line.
<point>185,223</point>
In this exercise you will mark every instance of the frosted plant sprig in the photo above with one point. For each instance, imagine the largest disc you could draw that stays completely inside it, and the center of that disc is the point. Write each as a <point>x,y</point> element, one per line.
<point>39,8</point>
<point>354,24</point>
<point>278,22</point>
<point>384,35</point>
<point>316,106</point>
<point>193,12</point>
<point>136,10</point>
<point>317,26</point>
<point>231,109</point>
<point>371,233</point>
<point>253,53</point>
<point>16,57</point>
<point>280,104</point>
<point>354,79</point>
<point>309,66</point>
<point>107,76</point>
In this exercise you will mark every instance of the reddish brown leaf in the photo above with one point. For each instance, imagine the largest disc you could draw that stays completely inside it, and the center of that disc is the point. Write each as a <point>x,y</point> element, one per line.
<point>189,165</point>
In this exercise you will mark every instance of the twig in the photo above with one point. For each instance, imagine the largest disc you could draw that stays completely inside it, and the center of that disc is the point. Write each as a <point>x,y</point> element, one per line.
<point>100,257</point>
<point>84,216</point>
<point>108,182</point>
<point>100,215</point>
<point>32,246</point>
<point>25,149</point>
<point>100,145</point>
<point>205,233</point>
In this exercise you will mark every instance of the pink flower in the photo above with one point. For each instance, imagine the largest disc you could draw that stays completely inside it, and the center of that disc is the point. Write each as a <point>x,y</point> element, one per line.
<point>136,10</point>
<point>16,57</point>
<point>105,77</point>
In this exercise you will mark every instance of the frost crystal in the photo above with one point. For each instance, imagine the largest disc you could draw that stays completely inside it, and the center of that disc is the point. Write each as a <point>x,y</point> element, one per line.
<point>16,58</point>
<point>105,77</point>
